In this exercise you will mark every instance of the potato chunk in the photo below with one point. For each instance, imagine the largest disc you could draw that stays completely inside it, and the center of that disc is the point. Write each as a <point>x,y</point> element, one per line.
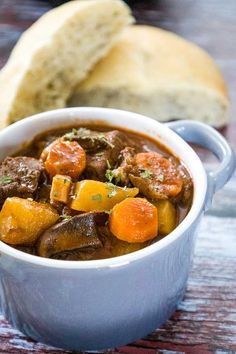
<point>92,195</point>
<point>166,216</point>
<point>22,220</point>
<point>60,190</point>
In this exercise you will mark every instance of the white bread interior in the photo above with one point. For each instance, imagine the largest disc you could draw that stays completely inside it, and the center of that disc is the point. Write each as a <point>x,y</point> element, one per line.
<point>159,74</point>
<point>56,53</point>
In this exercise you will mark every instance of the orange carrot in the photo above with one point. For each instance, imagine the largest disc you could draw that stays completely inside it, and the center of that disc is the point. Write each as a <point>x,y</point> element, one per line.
<point>64,158</point>
<point>162,171</point>
<point>134,220</point>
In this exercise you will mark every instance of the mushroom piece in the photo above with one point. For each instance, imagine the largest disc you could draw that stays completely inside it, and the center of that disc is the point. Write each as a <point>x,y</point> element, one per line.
<point>76,233</point>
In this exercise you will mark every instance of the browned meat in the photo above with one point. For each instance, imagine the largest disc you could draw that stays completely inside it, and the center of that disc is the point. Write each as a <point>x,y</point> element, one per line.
<point>123,158</point>
<point>112,247</point>
<point>106,158</point>
<point>126,161</point>
<point>78,232</point>
<point>19,177</point>
<point>156,176</point>
<point>89,140</point>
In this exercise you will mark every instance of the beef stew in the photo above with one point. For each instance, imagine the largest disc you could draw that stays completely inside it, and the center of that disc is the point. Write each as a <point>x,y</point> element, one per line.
<point>90,193</point>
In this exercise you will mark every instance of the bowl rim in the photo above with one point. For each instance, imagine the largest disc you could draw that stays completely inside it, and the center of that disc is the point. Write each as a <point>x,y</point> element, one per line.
<point>104,115</point>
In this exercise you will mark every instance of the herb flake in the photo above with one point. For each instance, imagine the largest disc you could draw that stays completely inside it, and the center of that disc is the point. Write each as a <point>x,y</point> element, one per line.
<point>109,212</point>
<point>97,197</point>
<point>105,140</point>
<point>4,180</point>
<point>146,173</point>
<point>108,164</point>
<point>112,190</point>
<point>109,175</point>
<point>71,135</point>
<point>83,131</point>
<point>161,177</point>
<point>66,180</point>
<point>65,217</point>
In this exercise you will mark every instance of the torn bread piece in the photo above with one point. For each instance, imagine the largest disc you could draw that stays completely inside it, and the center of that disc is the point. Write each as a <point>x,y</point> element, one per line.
<point>56,53</point>
<point>159,74</point>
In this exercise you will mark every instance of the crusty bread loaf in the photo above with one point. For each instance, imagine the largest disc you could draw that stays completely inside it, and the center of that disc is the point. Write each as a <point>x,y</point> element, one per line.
<point>57,52</point>
<point>159,74</point>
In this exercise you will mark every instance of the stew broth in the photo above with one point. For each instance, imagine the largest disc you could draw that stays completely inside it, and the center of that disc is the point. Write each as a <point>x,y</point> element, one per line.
<point>60,179</point>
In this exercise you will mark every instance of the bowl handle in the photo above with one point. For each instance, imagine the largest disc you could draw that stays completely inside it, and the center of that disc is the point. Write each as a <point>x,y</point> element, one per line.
<point>209,138</point>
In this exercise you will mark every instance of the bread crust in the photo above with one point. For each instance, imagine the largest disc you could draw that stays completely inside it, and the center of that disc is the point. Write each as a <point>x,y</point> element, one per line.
<point>56,53</point>
<point>155,72</point>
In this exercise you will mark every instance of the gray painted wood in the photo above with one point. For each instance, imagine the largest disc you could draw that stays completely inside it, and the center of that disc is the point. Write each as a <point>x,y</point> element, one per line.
<point>205,321</point>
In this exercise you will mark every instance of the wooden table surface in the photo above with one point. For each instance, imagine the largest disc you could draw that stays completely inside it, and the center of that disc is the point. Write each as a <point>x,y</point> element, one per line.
<point>205,321</point>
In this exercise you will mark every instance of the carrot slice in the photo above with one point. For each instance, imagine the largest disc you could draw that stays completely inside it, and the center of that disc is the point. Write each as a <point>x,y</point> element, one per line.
<point>134,220</point>
<point>64,158</point>
<point>160,177</point>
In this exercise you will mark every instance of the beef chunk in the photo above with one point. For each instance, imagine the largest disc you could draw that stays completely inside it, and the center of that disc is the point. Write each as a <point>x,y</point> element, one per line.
<point>126,161</point>
<point>111,247</point>
<point>89,140</point>
<point>77,233</point>
<point>102,148</point>
<point>19,177</point>
<point>107,157</point>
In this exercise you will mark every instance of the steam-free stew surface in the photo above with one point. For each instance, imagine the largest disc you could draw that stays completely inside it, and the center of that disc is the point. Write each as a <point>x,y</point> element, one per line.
<point>91,192</point>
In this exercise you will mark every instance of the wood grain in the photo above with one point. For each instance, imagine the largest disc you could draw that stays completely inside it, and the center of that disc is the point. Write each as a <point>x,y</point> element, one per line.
<point>205,321</point>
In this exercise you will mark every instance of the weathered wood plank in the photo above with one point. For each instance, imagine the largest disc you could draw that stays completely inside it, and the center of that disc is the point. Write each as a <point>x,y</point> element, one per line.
<point>224,202</point>
<point>205,321</point>
<point>207,316</point>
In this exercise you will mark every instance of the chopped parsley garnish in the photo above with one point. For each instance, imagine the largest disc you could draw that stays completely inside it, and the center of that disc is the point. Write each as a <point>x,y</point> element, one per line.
<point>70,136</point>
<point>112,193</point>
<point>5,180</point>
<point>109,175</point>
<point>105,140</point>
<point>145,173</point>
<point>86,134</point>
<point>112,190</point>
<point>97,197</point>
<point>55,194</point>
<point>65,217</point>
<point>108,164</point>
<point>118,179</point>
<point>109,212</point>
<point>83,131</point>
<point>66,180</point>
<point>161,178</point>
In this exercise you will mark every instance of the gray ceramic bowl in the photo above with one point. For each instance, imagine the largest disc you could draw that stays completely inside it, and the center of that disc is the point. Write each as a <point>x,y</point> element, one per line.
<point>94,305</point>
